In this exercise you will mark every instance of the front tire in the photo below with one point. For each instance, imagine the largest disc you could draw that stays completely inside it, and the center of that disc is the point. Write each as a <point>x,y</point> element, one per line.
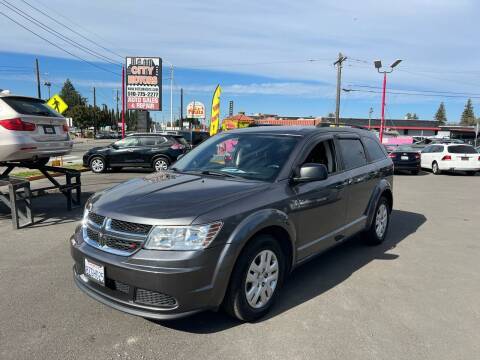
<point>435,169</point>
<point>256,279</point>
<point>97,165</point>
<point>377,232</point>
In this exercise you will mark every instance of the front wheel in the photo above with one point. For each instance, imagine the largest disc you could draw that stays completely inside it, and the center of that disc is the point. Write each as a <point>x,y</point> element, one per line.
<point>256,279</point>
<point>97,165</point>
<point>161,164</point>
<point>377,232</point>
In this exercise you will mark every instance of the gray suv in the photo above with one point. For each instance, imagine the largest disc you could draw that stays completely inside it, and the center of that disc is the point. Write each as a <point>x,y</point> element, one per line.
<point>231,219</point>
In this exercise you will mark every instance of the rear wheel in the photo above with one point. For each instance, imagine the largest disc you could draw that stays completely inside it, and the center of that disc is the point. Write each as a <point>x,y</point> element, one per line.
<point>435,169</point>
<point>161,164</point>
<point>97,164</point>
<point>377,232</point>
<point>38,162</point>
<point>256,279</point>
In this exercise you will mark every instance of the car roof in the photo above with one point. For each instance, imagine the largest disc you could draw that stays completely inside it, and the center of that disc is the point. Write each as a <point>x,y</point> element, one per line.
<point>302,130</point>
<point>153,134</point>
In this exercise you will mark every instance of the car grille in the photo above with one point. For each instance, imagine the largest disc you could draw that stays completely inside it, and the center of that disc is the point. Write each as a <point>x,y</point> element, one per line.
<point>154,298</point>
<point>119,286</point>
<point>114,236</point>
<point>125,226</point>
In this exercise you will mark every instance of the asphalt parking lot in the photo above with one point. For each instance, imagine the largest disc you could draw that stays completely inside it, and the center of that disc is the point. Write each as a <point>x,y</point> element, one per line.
<point>417,296</point>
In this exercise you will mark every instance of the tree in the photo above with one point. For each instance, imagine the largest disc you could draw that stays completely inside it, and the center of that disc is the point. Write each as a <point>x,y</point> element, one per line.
<point>81,117</point>
<point>70,95</point>
<point>441,115</point>
<point>468,115</point>
<point>411,116</point>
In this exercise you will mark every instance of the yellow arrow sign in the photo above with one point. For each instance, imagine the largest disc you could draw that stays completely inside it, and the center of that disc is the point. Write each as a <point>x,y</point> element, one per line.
<point>57,104</point>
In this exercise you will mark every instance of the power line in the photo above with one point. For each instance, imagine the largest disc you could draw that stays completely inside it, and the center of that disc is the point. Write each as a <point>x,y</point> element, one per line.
<point>57,46</point>
<point>422,91</point>
<point>72,30</point>
<point>411,94</point>
<point>56,33</point>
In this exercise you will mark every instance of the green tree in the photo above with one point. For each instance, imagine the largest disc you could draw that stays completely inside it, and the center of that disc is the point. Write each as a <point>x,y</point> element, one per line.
<point>468,115</point>
<point>70,95</point>
<point>441,115</point>
<point>81,117</point>
<point>411,116</point>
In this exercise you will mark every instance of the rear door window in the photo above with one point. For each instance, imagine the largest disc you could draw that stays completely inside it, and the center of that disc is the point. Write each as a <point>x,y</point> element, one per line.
<point>153,140</point>
<point>461,149</point>
<point>353,153</point>
<point>29,106</point>
<point>374,150</point>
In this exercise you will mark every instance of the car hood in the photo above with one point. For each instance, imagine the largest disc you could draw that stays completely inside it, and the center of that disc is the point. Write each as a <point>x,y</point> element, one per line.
<point>167,198</point>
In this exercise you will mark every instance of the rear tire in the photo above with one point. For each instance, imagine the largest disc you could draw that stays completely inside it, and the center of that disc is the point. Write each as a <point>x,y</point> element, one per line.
<point>435,169</point>
<point>97,165</point>
<point>38,162</point>
<point>256,279</point>
<point>378,230</point>
<point>161,164</point>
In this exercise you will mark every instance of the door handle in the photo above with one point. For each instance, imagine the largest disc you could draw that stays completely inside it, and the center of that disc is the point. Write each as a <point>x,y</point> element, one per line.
<point>343,184</point>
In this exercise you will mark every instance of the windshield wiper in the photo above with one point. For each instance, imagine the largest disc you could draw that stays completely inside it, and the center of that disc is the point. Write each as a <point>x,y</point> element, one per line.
<point>219,173</point>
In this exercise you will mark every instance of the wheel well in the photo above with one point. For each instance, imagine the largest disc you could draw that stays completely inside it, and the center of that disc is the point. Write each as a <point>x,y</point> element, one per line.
<point>387,193</point>
<point>156,157</point>
<point>283,238</point>
<point>97,156</point>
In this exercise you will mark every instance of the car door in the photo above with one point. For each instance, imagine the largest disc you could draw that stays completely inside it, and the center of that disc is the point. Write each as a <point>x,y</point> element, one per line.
<point>125,152</point>
<point>425,158</point>
<point>319,210</point>
<point>361,177</point>
<point>153,146</point>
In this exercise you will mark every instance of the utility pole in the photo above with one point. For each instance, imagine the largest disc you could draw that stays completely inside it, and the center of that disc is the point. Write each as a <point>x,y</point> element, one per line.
<point>94,112</point>
<point>37,70</point>
<point>338,64</point>
<point>181,105</point>
<point>370,118</point>
<point>123,102</point>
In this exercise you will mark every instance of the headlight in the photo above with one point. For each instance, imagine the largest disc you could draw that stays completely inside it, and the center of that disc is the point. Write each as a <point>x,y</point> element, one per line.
<point>195,237</point>
<point>88,207</point>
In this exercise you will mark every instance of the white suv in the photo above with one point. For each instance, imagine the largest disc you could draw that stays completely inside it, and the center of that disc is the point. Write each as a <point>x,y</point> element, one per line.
<point>450,157</point>
<point>30,130</point>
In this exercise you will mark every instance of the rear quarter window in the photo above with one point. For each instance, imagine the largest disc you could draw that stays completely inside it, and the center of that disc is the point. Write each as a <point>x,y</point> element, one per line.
<point>353,153</point>
<point>374,150</point>
<point>29,106</point>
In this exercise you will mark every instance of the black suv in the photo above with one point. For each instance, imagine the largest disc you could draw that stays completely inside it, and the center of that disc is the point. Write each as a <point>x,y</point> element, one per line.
<point>149,150</point>
<point>231,219</point>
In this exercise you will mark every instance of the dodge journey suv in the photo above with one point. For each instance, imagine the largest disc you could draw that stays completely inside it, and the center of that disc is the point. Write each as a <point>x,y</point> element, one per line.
<point>226,224</point>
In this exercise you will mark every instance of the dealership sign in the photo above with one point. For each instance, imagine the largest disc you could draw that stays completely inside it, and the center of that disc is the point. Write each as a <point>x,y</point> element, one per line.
<point>144,83</point>
<point>196,110</point>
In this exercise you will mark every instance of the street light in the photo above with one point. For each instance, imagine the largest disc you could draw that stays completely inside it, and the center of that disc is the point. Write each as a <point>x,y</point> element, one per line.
<point>378,66</point>
<point>48,84</point>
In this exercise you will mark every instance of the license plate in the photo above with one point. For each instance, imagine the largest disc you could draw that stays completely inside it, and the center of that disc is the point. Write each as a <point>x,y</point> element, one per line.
<point>404,158</point>
<point>49,129</point>
<point>465,158</point>
<point>95,272</point>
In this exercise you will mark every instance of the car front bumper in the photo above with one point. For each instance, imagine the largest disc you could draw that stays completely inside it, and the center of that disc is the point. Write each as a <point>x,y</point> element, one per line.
<point>172,284</point>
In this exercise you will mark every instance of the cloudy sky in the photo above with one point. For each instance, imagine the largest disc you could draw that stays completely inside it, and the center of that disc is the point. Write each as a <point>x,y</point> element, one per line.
<point>270,57</point>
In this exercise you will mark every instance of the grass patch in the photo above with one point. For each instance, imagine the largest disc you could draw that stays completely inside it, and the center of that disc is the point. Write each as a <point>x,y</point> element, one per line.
<point>27,174</point>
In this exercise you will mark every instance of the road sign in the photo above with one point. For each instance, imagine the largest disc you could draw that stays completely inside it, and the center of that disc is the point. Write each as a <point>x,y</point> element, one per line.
<point>57,104</point>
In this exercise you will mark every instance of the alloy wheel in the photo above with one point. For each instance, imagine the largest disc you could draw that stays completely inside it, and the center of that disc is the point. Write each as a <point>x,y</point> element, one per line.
<point>161,164</point>
<point>97,165</point>
<point>262,279</point>
<point>381,220</point>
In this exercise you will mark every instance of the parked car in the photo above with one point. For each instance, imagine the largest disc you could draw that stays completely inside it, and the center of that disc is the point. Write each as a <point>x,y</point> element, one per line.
<point>30,131</point>
<point>107,135</point>
<point>406,157</point>
<point>147,150</point>
<point>450,157</point>
<point>225,228</point>
<point>193,137</point>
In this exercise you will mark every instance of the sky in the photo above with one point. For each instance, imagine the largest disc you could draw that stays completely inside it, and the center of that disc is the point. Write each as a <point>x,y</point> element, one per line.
<point>272,57</point>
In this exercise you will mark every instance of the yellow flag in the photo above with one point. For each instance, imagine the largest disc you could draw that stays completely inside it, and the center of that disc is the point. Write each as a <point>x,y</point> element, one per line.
<point>215,119</point>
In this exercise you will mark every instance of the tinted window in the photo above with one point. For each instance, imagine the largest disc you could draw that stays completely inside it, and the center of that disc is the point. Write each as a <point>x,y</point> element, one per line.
<point>374,150</point>
<point>438,148</point>
<point>461,149</point>
<point>127,142</point>
<point>353,153</point>
<point>152,140</point>
<point>323,153</point>
<point>29,106</point>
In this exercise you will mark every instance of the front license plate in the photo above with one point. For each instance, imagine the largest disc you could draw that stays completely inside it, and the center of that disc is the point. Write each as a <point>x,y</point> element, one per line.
<point>404,158</point>
<point>49,129</point>
<point>95,272</point>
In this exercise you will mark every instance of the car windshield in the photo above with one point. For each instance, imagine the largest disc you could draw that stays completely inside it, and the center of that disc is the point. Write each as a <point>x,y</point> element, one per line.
<point>28,106</point>
<point>461,149</point>
<point>248,156</point>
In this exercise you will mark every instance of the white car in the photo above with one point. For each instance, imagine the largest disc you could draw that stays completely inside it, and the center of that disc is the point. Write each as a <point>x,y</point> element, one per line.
<point>30,131</point>
<point>450,157</point>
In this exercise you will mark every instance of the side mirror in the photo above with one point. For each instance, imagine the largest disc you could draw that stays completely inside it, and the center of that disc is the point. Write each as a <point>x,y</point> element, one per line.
<point>312,172</point>
<point>180,156</point>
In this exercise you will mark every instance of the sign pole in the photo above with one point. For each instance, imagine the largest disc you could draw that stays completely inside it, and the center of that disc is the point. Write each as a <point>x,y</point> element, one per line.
<point>123,102</point>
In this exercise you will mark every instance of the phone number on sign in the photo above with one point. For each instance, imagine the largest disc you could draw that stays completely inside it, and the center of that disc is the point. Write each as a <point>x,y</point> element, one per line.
<point>143,93</point>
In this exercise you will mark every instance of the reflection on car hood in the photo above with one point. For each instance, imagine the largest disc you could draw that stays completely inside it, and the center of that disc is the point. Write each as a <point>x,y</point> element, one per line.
<point>178,198</point>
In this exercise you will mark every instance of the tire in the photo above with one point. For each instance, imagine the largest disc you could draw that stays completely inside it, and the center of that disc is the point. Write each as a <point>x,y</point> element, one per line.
<point>161,164</point>
<point>378,230</point>
<point>97,165</point>
<point>435,169</point>
<point>250,276</point>
<point>38,162</point>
